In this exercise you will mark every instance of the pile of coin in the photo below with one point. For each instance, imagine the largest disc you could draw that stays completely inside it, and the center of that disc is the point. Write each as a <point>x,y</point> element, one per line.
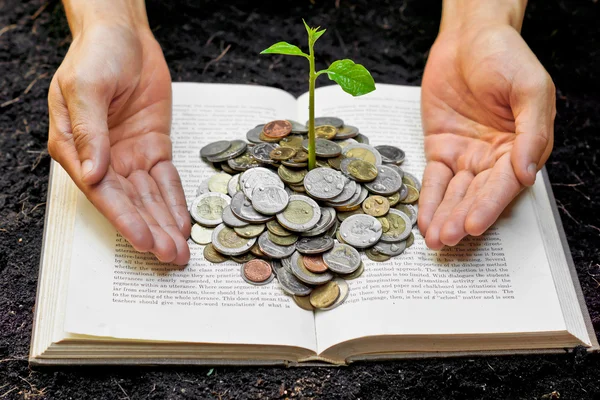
<point>266,211</point>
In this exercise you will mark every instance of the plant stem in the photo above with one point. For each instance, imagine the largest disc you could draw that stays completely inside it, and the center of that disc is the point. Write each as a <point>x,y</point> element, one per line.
<point>312,158</point>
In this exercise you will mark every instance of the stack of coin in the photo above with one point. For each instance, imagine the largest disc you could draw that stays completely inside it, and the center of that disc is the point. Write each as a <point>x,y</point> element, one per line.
<point>266,211</point>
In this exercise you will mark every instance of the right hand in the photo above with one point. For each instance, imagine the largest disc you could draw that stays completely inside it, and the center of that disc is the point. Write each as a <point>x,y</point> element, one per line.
<point>110,117</point>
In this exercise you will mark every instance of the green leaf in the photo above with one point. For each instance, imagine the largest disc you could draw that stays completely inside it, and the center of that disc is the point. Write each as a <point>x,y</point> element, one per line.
<point>318,34</point>
<point>284,48</point>
<point>313,33</point>
<point>353,78</point>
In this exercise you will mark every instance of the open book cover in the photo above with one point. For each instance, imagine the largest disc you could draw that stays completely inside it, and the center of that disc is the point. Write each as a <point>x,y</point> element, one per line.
<point>512,290</point>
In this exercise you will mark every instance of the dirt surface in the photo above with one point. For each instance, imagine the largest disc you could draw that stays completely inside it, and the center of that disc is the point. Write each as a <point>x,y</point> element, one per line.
<point>392,39</point>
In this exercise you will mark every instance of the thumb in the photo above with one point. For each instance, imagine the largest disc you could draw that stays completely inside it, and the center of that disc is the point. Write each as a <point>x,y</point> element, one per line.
<point>534,105</point>
<point>88,111</point>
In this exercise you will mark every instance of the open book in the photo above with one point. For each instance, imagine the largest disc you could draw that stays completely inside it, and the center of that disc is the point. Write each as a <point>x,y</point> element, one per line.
<point>513,289</point>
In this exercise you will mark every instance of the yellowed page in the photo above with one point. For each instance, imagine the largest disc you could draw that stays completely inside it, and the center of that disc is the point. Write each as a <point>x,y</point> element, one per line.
<point>119,293</point>
<point>500,282</point>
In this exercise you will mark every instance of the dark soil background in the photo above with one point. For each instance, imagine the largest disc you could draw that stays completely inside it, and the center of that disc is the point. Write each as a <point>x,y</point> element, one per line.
<point>392,39</point>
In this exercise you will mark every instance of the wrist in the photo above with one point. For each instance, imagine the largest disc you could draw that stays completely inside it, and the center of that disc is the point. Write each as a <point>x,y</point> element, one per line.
<point>461,15</point>
<point>83,14</point>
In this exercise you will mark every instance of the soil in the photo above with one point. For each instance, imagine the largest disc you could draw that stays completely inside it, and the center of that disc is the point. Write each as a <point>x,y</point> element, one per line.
<point>392,39</point>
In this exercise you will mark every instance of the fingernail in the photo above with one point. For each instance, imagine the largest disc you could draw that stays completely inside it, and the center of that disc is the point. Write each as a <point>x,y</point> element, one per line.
<point>532,169</point>
<point>86,167</point>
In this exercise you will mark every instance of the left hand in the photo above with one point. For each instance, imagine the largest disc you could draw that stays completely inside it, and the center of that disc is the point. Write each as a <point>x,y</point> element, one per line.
<point>488,109</point>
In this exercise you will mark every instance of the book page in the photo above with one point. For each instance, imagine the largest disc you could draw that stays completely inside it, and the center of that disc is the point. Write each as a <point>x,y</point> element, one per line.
<point>499,282</point>
<point>117,292</point>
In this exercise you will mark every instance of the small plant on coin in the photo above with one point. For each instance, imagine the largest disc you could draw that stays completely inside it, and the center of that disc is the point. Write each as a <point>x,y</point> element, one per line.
<point>353,78</point>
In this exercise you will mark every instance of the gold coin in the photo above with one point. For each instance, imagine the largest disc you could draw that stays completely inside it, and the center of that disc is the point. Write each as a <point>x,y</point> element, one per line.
<point>385,224</point>
<point>343,215</point>
<point>298,188</point>
<point>298,212</point>
<point>356,273</point>
<point>363,154</point>
<point>282,153</point>
<point>250,231</point>
<point>212,255</point>
<point>228,238</point>
<point>376,206</point>
<point>394,199</point>
<point>407,180</point>
<point>303,302</point>
<point>300,157</point>
<point>275,228</point>
<point>244,258</point>
<point>256,250</point>
<point>338,236</point>
<point>410,240</point>
<point>413,195</point>
<point>376,256</point>
<point>362,171</point>
<point>201,234</point>
<point>295,142</point>
<point>397,225</point>
<point>324,295</point>
<point>244,162</point>
<point>268,139</point>
<point>291,176</point>
<point>322,164</point>
<point>325,132</point>
<point>335,162</point>
<point>218,182</point>
<point>283,240</point>
<point>226,168</point>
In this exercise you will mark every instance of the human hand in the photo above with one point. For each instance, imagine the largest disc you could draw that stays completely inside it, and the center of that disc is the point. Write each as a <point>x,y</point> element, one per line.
<point>110,117</point>
<point>488,109</point>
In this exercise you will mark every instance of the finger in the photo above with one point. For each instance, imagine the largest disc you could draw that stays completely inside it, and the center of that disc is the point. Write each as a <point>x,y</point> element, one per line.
<point>60,141</point>
<point>87,104</point>
<point>435,181</point>
<point>534,105</point>
<point>453,230</point>
<point>169,183</point>
<point>454,194</point>
<point>154,204</point>
<point>500,189</point>
<point>112,200</point>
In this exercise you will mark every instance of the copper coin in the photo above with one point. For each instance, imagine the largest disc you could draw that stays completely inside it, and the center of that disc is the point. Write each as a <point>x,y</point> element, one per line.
<point>257,270</point>
<point>278,128</point>
<point>314,264</point>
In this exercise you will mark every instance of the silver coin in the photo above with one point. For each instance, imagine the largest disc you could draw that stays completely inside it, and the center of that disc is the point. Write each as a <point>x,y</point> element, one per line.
<point>314,245</point>
<point>324,148</point>
<point>347,193</point>
<point>276,265</point>
<point>260,176</point>
<point>242,208</point>
<point>390,249</point>
<point>207,208</point>
<point>345,142</point>
<point>397,169</point>
<point>212,149</point>
<point>346,132</point>
<point>409,210</point>
<point>237,148</point>
<point>265,282</point>
<point>201,234</point>
<point>392,235</point>
<point>225,247</point>
<point>344,164</point>
<point>262,152</point>
<point>269,200</point>
<point>297,127</point>
<point>274,250</point>
<point>344,290</point>
<point>234,185</point>
<point>302,273</point>
<point>403,193</point>
<point>387,183</point>
<point>290,284</point>
<point>354,199</point>
<point>362,196</point>
<point>253,135</point>
<point>391,154</point>
<point>343,259</point>
<point>203,188</point>
<point>328,218</point>
<point>301,214</point>
<point>324,183</point>
<point>242,163</point>
<point>414,179</point>
<point>355,274</point>
<point>361,230</point>
<point>333,121</point>
<point>230,219</point>
<point>360,138</point>
<point>333,229</point>
<point>374,156</point>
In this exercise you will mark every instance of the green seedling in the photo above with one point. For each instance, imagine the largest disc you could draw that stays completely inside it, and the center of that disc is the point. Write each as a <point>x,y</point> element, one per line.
<point>353,78</point>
